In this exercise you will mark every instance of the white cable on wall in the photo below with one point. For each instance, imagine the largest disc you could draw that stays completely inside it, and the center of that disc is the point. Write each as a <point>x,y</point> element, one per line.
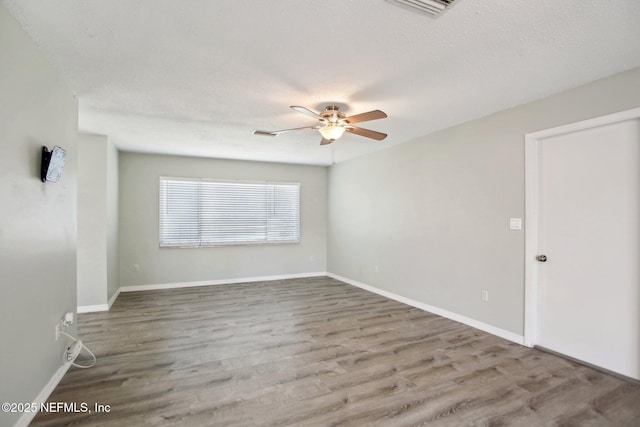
<point>83,346</point>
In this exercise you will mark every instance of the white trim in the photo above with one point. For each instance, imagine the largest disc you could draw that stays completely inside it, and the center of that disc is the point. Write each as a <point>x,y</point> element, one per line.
<point>136,288</point>
<point>532,194</point>
<point>608,119</point>
<point>99,307</point>
<point>113,299</point>
<point>518,339</point>
<point>92,308</point>
<point>44,394</point>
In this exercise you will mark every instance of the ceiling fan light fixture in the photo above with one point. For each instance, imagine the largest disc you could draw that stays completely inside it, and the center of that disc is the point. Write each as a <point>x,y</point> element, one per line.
<point>333,123</point>
<point>332,131</point>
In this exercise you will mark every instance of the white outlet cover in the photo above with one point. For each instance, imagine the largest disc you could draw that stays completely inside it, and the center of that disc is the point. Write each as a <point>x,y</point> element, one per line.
<point>68,318</point>
<point>515,223</point>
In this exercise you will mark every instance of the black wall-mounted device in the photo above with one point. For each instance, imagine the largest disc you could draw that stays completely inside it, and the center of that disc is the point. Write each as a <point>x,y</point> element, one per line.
<point>52,164</point>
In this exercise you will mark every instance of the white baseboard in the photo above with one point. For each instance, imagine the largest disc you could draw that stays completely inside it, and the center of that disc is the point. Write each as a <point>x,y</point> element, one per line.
<point>44,394</point>
<point>92,308</point>
<point>519,339</point>
<point>136,288</point>
<point>99,307</point>
<point>113,299</point>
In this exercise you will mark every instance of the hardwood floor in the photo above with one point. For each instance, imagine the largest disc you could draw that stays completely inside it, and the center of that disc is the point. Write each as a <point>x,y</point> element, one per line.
<point>318,352</point>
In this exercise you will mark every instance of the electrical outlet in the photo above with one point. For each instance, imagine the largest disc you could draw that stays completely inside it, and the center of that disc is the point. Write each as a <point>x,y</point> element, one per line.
<point>377,269</point>
<point>68,319</point>
<point>57,331</point>
<point>136,267</point>
<point>485,295</point>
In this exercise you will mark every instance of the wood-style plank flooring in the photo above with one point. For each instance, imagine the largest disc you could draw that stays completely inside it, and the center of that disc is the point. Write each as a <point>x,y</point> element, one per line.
<point>318,352</point>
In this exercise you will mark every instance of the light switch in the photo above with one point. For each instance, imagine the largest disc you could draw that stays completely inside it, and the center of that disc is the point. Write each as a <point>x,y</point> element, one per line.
<point>515,223</point>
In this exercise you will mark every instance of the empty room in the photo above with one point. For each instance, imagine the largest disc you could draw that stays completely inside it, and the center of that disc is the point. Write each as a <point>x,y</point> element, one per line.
<point>320,213</point>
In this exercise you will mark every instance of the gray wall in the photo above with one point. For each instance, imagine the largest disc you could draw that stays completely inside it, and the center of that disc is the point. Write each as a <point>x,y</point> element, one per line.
<point>97,220</point>
<point>113,214</point>
<point>92,220</point>
<point>37,221</point>
<point>433,214</point>
<point>139,175</point>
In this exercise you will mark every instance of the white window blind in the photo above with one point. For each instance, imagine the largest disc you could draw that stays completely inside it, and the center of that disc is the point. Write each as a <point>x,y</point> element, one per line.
<point>198,212</point>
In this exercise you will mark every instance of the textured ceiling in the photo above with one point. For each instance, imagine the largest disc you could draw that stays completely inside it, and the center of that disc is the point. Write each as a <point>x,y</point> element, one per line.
<point>195,77</point>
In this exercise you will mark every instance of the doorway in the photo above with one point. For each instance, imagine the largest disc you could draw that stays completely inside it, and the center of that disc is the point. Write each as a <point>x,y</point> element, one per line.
<point>582,285</point>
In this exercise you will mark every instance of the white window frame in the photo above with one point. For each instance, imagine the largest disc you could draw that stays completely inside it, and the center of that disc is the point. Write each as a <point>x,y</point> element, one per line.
<point>289,235</point>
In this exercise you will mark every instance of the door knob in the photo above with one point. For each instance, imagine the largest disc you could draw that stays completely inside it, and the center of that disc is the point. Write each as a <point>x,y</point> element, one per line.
<point>542,258</point>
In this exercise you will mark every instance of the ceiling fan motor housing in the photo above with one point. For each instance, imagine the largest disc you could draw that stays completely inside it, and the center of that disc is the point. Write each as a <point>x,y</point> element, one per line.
<point>332,114</point>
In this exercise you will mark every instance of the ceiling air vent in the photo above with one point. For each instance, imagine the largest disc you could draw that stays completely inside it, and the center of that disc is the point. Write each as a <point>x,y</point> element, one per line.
<point>430,7</point>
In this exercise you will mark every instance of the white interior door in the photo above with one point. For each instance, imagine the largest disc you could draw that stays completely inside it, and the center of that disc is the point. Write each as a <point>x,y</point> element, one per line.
<point>588,290</point>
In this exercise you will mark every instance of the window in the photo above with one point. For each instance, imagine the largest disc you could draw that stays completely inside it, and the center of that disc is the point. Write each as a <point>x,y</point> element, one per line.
<point>199,212</point>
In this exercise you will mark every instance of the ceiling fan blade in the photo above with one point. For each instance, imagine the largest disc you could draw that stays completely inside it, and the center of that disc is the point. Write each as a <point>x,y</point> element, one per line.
<point>306,111</point>
<point>326,141</point>
<point>365,117</point>
<point>263,133</point>
<point>278,132</point>
<point>366,132</point>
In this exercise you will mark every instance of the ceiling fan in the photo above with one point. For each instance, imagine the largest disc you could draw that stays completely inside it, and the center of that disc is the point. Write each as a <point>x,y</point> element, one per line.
<point>333,123</point>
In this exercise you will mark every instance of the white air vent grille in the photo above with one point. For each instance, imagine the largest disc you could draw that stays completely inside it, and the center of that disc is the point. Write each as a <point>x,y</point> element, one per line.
<point>429,7</point>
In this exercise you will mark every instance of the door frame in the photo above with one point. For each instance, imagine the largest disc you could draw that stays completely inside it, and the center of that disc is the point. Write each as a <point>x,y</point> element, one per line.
<point>532,195</point>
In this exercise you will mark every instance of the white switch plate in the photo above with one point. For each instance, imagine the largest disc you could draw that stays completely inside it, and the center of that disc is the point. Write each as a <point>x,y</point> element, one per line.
<point>485,295</point>
<point>515,223</point>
